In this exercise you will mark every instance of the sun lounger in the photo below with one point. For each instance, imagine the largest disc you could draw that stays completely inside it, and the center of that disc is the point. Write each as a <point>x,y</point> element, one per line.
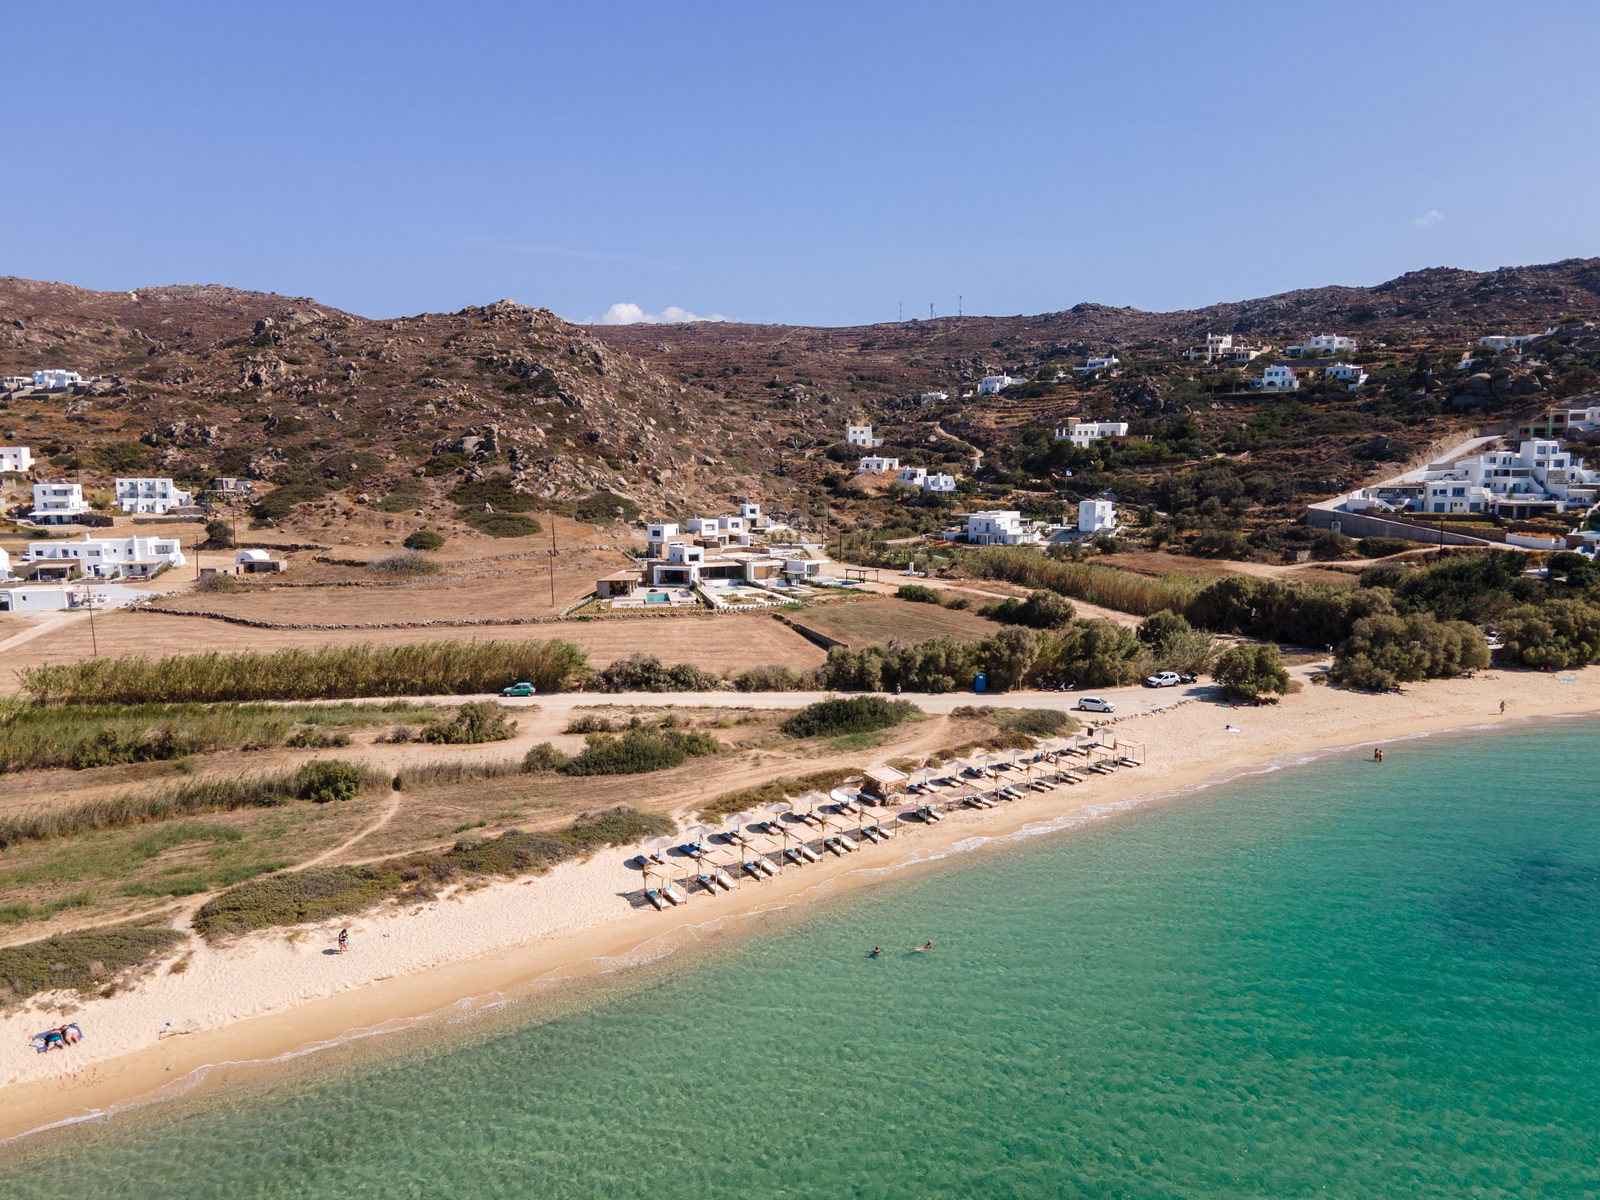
<point>793,856</point>
<point>832,846</point>
<point>656,898</point>
<point>810,855</point>
<point>883,833</point>
<point>753,869</point>
<point>673,895</point>
<point>1129,762</point>
<point>692,849</point>
<point>708,882</point>
<point>848,842</point>
<point>727,881</point>
<point>871,833</point>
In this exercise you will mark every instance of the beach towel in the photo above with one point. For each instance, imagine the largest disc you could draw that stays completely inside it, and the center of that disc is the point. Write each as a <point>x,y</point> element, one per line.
<point>42,1041</point>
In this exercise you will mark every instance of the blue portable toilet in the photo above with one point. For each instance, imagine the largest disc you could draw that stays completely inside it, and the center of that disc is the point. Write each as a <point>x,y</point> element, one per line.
<point>980,682</point>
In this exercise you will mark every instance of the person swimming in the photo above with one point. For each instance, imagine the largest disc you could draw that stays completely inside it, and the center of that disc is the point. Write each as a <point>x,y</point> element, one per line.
<point>875,952</point>
<point>924,946</point>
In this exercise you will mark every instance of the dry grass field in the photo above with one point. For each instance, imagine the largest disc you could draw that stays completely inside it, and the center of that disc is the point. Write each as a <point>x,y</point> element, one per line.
<point>888,619</point>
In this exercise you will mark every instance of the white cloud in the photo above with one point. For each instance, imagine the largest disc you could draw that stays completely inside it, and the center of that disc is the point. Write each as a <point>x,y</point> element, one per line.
<point>1432,217</point>
<point>632,314</point>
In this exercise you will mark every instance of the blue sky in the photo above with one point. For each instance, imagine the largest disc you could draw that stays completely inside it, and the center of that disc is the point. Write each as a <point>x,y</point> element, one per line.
<point>810,163</point>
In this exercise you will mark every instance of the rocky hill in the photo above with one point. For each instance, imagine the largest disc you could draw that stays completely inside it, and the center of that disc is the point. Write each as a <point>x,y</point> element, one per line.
<point>443,414</point>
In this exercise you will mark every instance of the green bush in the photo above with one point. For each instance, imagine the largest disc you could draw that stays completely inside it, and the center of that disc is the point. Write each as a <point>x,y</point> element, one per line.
<point>1556,635</point>
<point>636,752</point>
<point>646,673</point>
<point>500,524</point>
<point>1387,650</point>
<point>918,593</point>
<point>294,898</point>
<point>1381,547</point>
<point>329,780</point>
<point>1041,610</point>
<point>476,722</point>
<point>423,539</point>
<point>219,534</point>
<point>1249,672</point>
<point>769,679</point>
<point>543,757</point>
<point>603,507</point>
<point>405,563</point>
<point>80,960</point>
<point>497,491</point>
<point>859,714</point>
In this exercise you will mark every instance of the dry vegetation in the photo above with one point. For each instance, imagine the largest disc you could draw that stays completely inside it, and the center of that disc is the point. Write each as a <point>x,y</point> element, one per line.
<point>885,620</point>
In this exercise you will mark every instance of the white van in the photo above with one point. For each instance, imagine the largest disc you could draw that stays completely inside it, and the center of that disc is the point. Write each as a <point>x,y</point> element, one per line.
<point>1095,704</point>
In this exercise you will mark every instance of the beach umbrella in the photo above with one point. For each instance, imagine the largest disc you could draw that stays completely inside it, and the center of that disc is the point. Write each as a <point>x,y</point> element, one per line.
<point>851,796</point>
<point>701,833</point>
<point>777,809</point>
<point>662,843</point>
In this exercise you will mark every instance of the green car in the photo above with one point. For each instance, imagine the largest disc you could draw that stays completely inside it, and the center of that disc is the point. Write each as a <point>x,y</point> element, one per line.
<point>518,689</point>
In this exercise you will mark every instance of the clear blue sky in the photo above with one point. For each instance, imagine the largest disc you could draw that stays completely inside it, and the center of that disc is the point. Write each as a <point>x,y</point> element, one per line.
<point>813,163</point>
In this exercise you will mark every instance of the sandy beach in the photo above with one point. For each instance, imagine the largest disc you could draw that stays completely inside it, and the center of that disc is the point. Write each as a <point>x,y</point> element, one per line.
<point>283,992</point>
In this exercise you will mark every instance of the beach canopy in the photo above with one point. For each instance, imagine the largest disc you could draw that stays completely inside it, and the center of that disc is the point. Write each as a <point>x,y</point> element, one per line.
<point>886,775</point>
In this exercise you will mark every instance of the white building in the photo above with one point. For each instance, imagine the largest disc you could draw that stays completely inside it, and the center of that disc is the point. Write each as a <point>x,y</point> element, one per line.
<point>16,459</point>
<point>1501,341</point>
<point>1104,363</point>
<point>861,435</point>
<point>57,503</point>
<point>149,494</point>
<point>55,378</point>
<point>1097,516</point>
<point>937,482</point>
<point>1349,374</point>
<point>1081,433</point>
<point>912,476</point>
<point>874,463</point>
<point>50,597</point>
<point>990,384</point>
<point>1221,347</point>
<point>1002,527</point>
<point>659,535</point>
<point>105,558</point>
<point>1322,343</point>
<point>725,531</point>
<point>12,383</point>
<point>928,398</point>
<point>1278,379</point>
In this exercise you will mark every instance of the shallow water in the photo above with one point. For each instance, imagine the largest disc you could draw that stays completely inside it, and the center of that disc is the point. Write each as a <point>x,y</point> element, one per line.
<point>1342,979</point>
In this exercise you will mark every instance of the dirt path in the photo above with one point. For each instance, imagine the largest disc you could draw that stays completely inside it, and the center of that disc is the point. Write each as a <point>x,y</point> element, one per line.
<point>387,815</point>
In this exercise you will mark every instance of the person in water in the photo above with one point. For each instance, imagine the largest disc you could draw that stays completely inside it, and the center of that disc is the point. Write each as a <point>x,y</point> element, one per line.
<point>1377,754</point>
<point>876,951</point>
<point>924,946</point>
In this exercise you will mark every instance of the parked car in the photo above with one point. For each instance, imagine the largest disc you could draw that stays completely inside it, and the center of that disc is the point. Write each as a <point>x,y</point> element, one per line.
<point>518,689</point>
<point>1163,679</point>
<point>1095,704</point>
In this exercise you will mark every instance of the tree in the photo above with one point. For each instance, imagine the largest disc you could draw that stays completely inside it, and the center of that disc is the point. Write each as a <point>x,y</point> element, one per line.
<point>1386,650</point>
<point>1251,671</point>
<point>1041,610</point>
<point>219,534</point>
<point>1159,627</point>
<point>1555,635</point>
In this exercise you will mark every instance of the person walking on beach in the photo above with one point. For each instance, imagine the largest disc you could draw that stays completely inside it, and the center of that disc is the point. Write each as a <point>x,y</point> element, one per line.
<point>1502,708</point>
<point>344,940</point>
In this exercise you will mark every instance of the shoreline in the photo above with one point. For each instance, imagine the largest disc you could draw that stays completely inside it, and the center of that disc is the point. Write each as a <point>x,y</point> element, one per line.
<point>272,997</point>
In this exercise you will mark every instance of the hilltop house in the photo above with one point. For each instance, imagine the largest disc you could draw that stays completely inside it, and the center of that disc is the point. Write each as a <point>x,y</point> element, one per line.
<point>57,503</point>
<point>1501,341</point>
<point>1278,379</point>
<point>105,558</point>
<point>861,435</point>
<point>54,379</point>
<point>919,477</point>
<point>16,459</point>
<point>873,464</point>
<point>231,485</point>
<point>1002,527</point>
<point>1081,433</point>
<point>1097,516</point>
<point>1103,363</point>
<point>1220,347</point>
<point>14,383</point>
<point>928,398</point>
<point>989,385</point>
<point>1322,343</point>
<point>149,494</point>
<point>1552,422</point>
<point>1352,376</point>
<point>721,531</point>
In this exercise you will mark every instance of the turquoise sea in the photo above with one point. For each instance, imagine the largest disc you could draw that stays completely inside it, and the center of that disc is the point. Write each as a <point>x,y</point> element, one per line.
<point>1340,979</point>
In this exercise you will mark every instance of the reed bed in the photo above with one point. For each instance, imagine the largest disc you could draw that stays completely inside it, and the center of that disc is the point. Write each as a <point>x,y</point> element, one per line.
<point>36,737</point>
<point>1107,587</point>
<point>318,782</point>
<point>440,774</point>
<point>452,668</point>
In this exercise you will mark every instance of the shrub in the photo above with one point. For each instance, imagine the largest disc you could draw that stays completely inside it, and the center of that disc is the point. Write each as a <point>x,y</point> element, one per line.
<point>80,960</point>
<point>859,714</point>
<point>501,524</point>
<point>543,757</point>
<point>1041,610</point>
<point>219,535</point>
<point>405,563</point>
<point>329,672</point>
<point>1381,547</point>
<point>1248,672</point>
<point>423,539</point>
<point>918,593</point>
<point>313,894</point>
<point>1032,722</point>
<point>603,507</point>
<point>1385,651</point>
<point>1556,635</point>
<point>589,723</point>
<point>1328,546</point>
<point>646,673</point>
<point>636,752</point>
<point>1089,582</point>
<point>315,739</point>
<point>773,791</point>
<point>769,679</point>
<point>330,780</point>
<point>497,491</point>
<point>217,583</point>
<point>479,721</point>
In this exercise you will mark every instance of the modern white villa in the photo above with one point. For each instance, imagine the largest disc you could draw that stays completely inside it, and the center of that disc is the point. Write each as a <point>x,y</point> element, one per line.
<point>861,435</point>
<point>1278,379</point>
<point>1347,373</point>
<point>57,503</point>
<point>54,379</point>
<point>1322,343</point>
<point>16,459</point>
<point>149,494</point>
<point>1097,516</point>
<point>1513,341</point>
<point>105,558</point>
<point>872,464</point>
<point>1003,527</point>
<point>928,481</point>
<point>989,385</point>
<point>1104,362</point>
<point>1081,433</point>
<point>1221,347</point>
<point>928,398</point>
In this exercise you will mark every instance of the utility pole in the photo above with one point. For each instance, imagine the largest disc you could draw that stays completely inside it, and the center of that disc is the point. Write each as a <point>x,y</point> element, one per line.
<point>94,641</point>
<point>960,310</point>
<point>552,561</point>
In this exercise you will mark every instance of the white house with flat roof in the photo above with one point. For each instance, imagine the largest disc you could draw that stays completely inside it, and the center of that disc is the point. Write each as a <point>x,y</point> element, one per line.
<point>1349,374</point>
<point>928,398</point>
<point>57,503</point>
<point>1097,516</point>
<point>1504,341</point>
<point>149,494</point>
<point>1081,433</point>
<point>16,459</point>
<point>861,435</point>
<point>14,383</point>
<point>1104,362</point>
<point>1002,527</point>
<point>1278,379</point>
<point>872,464</point>
<point>105,557</point>
<point>53,377</point>
<point>991,384</point>
<point>939,482</point>
<point>725,531</point>
<point>1322,343</point>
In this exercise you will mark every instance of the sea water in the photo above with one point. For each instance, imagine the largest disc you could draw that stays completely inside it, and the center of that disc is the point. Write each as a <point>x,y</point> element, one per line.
<point>1339,979</point>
